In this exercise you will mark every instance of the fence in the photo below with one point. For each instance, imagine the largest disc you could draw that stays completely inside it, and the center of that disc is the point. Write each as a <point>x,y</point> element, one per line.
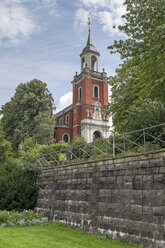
<point>139,141</point>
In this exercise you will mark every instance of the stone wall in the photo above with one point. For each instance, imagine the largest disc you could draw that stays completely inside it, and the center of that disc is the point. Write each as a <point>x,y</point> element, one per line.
<point>121,198</point>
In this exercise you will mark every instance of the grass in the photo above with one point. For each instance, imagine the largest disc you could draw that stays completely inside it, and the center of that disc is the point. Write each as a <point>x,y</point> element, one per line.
<point>54,235</point>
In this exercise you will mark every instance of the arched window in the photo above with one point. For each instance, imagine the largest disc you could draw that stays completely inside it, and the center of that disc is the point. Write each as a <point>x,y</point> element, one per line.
<point>67,119</point>
<point>80,93</point>
<point>82,63</point>
<point>60,121</point>
<point>66,138</point>
<point>96,91</point>
<point>96,135</point>
<point>93,63</point>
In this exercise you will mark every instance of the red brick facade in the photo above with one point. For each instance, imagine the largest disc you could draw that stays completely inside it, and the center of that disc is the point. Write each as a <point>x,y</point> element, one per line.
<point>87,114</point>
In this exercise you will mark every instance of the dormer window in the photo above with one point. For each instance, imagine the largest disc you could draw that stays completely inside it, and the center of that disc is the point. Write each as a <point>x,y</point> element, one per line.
<point>96,91</point>
<point>79,93</point>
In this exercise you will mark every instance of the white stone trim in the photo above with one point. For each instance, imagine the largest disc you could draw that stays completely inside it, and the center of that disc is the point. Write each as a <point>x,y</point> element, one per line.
<point>76,125</point>
<point>98,87</point>
<point>61,121</point>
<point>79,89</point>
<point>88,127</point>
<point>67,117</point>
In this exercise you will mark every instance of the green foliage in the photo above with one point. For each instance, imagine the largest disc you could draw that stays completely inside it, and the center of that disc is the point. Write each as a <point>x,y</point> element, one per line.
<point>125,91</point>
<point>147,113</point>
<point>28,152</point>
<point>22,115</point>
<point>44,149</point>
<point>18,188</point>
<point>63,157</point>
<point>99,149</point>
<point>15,218</point>
<point>44,128</point>
<point>144,114</point>
<point>142,73</point>
<point>5,147</point>
<point>54,151</point>
<point>77,142</point>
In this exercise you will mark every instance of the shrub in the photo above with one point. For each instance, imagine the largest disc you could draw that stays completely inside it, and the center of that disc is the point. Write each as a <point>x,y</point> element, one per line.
<point>44,149</point>
<point>28,152</point>
<point>78,142</point>
<point>14,218</point>
<point>18,188</point>
<point>99,149</point>
<point>54,151</point>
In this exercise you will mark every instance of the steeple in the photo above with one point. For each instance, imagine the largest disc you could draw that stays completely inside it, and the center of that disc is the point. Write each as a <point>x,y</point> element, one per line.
<point>89,41</point>
<point>89,55</point>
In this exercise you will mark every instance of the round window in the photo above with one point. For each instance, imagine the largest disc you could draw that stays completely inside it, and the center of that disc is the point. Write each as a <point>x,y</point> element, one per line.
<point>66,138</point>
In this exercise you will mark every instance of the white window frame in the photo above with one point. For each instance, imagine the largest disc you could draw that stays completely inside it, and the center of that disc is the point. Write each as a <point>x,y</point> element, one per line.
<point>67,119</point>
<point>61,121</point>
<point>79,88</point>
<point>94,91</point>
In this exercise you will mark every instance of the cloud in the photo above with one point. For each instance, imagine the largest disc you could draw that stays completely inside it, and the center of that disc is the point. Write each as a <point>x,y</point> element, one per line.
<point>16,23</point>
<point>81,17</point>
<point>64,101</point>
<point>95,3</point>
<point>51,5</point>
<point>105,12</point>
<point>102,3</point>
<point>17,19</point>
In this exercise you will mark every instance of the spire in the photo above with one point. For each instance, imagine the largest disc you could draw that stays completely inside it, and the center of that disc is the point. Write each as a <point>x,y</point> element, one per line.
<point>89,55</point>
<point>89,41</point>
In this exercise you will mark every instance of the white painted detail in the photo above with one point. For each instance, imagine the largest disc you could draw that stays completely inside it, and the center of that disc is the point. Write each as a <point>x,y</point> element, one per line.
<point>89,126</point>
<point>93,123</point>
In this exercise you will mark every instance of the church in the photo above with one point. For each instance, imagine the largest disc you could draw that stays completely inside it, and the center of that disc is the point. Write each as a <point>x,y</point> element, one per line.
<point>86,116</point>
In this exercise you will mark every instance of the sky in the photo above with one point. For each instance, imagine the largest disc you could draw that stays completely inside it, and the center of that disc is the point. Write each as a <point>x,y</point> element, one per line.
<point>43,39</point>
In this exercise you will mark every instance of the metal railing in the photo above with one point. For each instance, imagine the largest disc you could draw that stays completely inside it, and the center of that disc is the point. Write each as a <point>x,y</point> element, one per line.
<point>139,141</point>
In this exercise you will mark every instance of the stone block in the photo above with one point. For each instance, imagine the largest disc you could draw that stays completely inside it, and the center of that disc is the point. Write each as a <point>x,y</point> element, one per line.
<point>110,167</point>
<point>147,181</point>
<point>156,162</point>
<point>162,169</point>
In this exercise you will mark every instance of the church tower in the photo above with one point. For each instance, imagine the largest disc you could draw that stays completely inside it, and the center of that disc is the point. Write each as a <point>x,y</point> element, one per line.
<point>90,94</point>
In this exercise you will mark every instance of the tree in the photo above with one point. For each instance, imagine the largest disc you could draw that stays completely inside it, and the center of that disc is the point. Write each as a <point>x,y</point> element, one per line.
<point>125,91</point>
<point>142,73</point>
<point>28,152</point>
<point>147,113</point>
<point>44,128</point>
<point>22,115</point>
<point>5,147</point>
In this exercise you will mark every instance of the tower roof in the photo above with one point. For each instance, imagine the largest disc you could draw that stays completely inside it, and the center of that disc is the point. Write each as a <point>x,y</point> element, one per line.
<point>89,41</point>
<point>89,47</point>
